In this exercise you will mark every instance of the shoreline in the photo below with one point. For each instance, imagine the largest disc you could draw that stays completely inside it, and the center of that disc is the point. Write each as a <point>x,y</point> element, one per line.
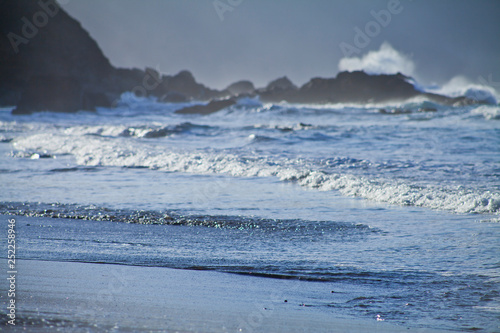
<point>75,297</point>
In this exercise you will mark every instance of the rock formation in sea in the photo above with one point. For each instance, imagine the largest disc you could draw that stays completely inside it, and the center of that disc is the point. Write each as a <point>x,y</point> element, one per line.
<point>352,87</point>
<point>211,107</point>
<point>241,87</point>
<point>48,61</point>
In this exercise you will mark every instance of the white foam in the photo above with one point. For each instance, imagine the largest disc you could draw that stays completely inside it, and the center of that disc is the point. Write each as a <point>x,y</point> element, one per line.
<point>129,98</point>
<point>487,111</point>
<point>116,151</point>
<point>386,60</point>
<point>461,86</point>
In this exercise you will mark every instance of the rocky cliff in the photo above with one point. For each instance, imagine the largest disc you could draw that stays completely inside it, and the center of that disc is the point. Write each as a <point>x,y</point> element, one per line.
<point>352,87</point>
<point>49,62</point>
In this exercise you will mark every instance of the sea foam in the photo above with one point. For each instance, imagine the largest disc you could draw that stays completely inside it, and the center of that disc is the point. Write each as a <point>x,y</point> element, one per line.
<point>114,150</point>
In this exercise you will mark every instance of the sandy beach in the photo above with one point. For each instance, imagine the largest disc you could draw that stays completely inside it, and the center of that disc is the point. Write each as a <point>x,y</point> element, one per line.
<point>88,297</point>
<point>249,166</point>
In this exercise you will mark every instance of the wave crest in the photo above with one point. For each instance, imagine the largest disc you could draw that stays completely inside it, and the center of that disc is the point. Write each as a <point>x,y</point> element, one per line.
<point>96,150</point>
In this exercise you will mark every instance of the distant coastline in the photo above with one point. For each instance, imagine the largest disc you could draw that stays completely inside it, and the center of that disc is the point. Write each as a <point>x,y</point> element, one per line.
<point>53,64</point>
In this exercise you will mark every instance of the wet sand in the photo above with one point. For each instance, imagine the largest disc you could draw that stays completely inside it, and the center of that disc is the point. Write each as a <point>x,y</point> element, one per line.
<point>91,297</point>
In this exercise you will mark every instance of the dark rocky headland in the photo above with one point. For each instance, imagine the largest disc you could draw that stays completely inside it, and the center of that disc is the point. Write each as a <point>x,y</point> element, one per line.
<point>49,62</point>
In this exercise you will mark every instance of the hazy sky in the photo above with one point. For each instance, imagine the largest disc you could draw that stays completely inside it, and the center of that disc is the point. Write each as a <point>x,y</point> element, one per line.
<point>223,41</point>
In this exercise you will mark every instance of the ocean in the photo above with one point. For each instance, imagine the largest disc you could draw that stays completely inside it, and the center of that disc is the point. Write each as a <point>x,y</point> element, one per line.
<point>396,207</point>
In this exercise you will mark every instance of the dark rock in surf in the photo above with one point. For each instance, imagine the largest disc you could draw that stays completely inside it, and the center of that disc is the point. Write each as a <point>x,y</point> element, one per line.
<point>427,109</point>
<point>173,97</point>
<point>281,89</point>
<point>184,83</point>
<point>281,84</point>
<point>211,107</point>
<point>353,87</point>
<point>356,87</point>
<point>241,87</point>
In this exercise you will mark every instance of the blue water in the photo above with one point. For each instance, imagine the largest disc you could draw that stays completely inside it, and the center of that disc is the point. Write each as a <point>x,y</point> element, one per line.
<point>399,213</point>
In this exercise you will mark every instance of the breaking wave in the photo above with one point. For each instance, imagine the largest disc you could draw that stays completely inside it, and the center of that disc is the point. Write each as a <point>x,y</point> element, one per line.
<point>99,150</point>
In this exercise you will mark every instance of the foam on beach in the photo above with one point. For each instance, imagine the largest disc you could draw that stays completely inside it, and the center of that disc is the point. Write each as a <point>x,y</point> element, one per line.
<point>108,149</point>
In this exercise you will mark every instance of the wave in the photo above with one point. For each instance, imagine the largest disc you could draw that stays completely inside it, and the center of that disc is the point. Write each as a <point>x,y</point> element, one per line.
<point>260,138</point>
<point>95,213</point>
<point>105,151</point>
<point>414,105</point>
<point>487,111</point>
<point>481,91</point>
<point>159,131</point>
<point>150,131</point>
